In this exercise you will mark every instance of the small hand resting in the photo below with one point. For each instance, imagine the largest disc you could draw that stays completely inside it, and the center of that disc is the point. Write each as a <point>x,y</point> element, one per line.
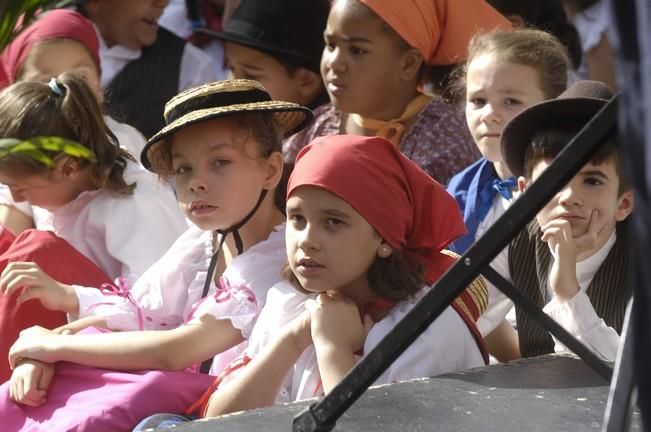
<point>38,285</point>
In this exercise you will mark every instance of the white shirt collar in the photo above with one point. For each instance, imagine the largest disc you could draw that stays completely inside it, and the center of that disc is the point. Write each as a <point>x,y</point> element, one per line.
<point>586,269</point>
<point>113,59</point>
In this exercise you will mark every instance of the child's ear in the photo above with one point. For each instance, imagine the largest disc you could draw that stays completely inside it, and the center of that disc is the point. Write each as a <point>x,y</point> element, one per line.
<point>384,250</point>
<point>68,167</point>
<point>410,64</point>
<point>625,205</point>
<point>310,84</point>
<point>274,165</point>
<point>522,184</point>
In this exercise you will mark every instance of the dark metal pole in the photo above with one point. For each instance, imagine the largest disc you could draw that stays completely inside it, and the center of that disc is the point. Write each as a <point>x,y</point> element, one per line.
<point>620,397</point>
<point>323,415</point>
<point>629,36</point>
<point>596,363</point>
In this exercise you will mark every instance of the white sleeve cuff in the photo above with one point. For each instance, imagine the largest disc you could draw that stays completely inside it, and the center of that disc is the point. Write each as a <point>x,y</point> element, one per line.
<point>579,318</point>
<point>116,310</point>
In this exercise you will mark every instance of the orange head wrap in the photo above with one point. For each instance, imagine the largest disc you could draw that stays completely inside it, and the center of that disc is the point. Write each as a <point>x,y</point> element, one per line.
<point>439,29</point>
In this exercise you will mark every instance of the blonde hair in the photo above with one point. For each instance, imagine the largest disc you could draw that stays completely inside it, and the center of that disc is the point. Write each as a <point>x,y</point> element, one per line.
<point>529,47</point>
<point>30,109</point>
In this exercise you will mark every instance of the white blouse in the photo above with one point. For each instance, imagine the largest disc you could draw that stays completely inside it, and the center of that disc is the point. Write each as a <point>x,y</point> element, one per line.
<point>128,136</point>
<point>122,234</point>
<point>196,66</point>
<point>446,346</point>
<point>169,293</point>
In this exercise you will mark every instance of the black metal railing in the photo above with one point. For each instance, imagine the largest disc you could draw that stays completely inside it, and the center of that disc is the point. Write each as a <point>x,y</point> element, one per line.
<point>323,415</point>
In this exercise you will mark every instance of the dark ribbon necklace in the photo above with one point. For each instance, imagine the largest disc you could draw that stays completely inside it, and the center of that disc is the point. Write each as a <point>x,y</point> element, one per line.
<point>234,230</point>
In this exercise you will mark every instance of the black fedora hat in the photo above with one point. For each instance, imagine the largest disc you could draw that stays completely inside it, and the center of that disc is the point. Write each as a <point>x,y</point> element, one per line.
<point>220,99</point>
<point>575,106</point>
<point>289,29</point>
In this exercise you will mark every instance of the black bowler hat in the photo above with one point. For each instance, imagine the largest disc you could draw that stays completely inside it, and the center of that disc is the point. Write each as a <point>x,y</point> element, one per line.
<point>576,105</point>
<point>221,99</point>
<point>291,30</point>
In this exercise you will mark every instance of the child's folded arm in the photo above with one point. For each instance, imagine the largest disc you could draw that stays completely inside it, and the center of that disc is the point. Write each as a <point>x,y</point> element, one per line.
<point>579,318</point>
<point>30,381</point>
<point>260,382</point>
<point>171,349</point>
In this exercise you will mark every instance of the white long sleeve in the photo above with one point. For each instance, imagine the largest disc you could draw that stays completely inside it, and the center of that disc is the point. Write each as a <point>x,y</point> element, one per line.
<point>578,316</point>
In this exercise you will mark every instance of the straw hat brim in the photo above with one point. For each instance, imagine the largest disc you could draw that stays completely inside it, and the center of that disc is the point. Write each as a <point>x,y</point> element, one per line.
<point>290,116</point>
<point>517,134</point>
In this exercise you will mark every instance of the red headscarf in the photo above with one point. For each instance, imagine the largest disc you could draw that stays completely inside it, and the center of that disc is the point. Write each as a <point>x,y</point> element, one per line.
<point>59,23</point>
<point>409,209</point>
<point>439,29</point>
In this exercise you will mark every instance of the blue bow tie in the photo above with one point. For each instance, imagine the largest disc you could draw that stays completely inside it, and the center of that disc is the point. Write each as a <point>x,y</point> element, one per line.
<point>488,191</point>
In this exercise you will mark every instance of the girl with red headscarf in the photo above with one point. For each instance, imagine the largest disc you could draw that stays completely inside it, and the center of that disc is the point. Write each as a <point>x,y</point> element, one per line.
<point>375,58</point>
<point>365,234</point>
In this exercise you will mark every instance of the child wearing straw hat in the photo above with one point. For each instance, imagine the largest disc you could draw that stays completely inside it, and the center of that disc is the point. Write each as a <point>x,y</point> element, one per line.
<point>221,147</point>
<point>374,59</point>
<point>355,272</point>
<point>572,260</point>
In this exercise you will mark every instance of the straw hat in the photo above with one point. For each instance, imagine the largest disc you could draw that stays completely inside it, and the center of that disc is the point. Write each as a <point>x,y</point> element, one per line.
<point>575,106</point>
<point>220,99</point>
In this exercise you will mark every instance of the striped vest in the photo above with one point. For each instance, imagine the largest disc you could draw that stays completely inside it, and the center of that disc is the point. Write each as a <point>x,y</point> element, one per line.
<point>529,265</point>
<point>138,93</point>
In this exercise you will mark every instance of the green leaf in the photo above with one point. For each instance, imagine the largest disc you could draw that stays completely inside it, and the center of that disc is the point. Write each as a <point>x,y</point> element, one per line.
<point>6,143</point>
<point>38,156</point>
<point>16,11</point>
<point>34,148</point>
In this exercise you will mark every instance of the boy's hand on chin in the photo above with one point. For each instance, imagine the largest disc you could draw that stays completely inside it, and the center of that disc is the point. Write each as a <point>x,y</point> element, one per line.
<point>594,234</point>
<point>562,277</point>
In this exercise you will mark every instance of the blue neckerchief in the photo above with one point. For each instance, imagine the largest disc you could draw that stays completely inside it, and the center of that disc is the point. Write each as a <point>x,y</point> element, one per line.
<point>474,188</point>
<point>488,192</point>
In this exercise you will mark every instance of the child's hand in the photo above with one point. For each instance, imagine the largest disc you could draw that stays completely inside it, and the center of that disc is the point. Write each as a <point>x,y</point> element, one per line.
<point>335,321</point>
<point>299,330</point>
<point>562,277</point>
<point>38,285</point>
<point>594,234</point>
<point>558,234</point>
<point>36,343</point>
<point>29,382</point>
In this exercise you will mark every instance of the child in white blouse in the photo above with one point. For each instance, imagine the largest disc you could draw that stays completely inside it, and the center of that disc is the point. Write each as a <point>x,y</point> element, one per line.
<point>221,148</point>
<point>97,206</point>
<point>356,272</point>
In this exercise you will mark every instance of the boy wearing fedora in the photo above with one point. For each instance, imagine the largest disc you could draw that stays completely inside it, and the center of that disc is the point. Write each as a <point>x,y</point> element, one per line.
<point>572,260</point>
<point>278,43</point>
